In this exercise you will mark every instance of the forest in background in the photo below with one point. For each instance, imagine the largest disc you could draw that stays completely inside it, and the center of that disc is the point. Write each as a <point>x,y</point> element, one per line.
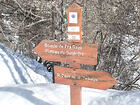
<point>113,24</point>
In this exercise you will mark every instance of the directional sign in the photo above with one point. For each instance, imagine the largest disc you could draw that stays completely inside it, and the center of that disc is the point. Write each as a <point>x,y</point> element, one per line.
<point>83,78</point>
<point>67,52</point>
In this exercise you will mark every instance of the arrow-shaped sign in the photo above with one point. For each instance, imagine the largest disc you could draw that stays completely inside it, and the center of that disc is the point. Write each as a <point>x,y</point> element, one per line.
<point>67,52</point>
<point>83,78</point>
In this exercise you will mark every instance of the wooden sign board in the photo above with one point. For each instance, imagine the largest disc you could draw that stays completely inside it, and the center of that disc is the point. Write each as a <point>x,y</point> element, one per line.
<point>67,52</point>
<point>74,14</point>
<point>83,78</point>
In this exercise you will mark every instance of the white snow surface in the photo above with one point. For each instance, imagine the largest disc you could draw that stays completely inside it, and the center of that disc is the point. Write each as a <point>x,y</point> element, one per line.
<point>25,82</point>
<point>55,94</point>
<point>17,69</point>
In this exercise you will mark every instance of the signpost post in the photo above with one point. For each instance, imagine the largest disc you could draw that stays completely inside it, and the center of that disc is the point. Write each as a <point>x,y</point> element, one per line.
<point>74,14</point>
<point>75,54</point>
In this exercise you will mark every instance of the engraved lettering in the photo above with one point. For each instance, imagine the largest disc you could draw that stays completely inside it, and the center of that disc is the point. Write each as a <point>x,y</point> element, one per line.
<point>64,52</point>
<point>50,45</point>
<point>77,77</point>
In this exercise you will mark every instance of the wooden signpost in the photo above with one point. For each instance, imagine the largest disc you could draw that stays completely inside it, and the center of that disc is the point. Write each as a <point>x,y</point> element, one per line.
<point>75,54</point>
<point>74,14</point>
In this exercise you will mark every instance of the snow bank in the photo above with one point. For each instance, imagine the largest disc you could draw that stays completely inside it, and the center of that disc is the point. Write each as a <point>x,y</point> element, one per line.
<point>54,94</point>
<point>110,97</point>
<point>14,70</point>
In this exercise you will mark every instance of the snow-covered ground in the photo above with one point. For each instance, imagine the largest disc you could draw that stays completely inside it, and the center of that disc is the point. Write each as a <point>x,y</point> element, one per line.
<point>54,94</point>
<point>23,81</point>
<point>17,69</point>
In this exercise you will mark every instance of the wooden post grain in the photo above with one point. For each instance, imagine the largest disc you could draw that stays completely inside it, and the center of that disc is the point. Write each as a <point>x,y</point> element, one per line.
<point>75,93</point>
